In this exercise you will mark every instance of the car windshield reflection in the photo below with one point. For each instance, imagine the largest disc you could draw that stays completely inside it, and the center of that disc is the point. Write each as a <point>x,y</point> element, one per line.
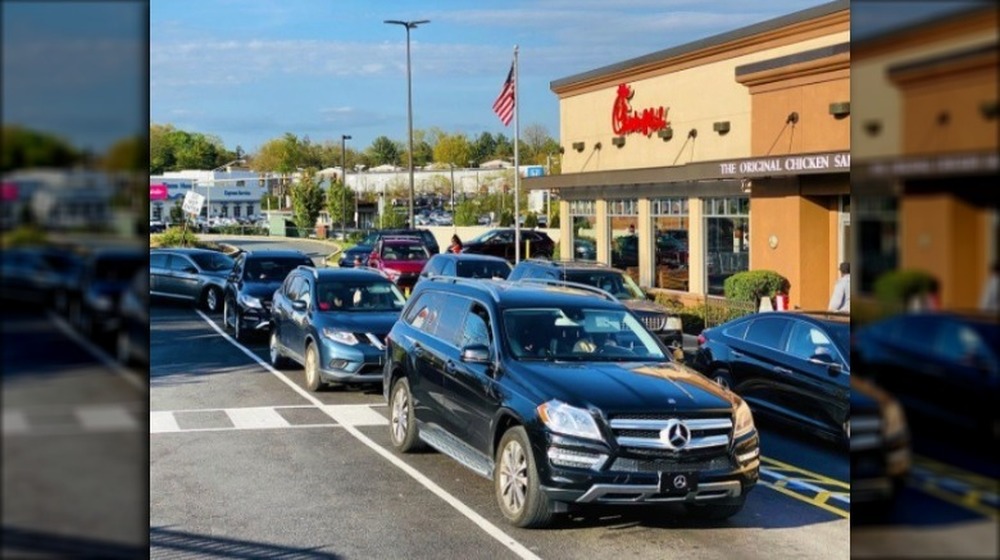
<point>359,297</point>
<point>574,334</point>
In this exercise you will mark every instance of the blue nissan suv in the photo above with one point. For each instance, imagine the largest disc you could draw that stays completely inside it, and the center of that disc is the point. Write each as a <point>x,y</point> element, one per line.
<point>334,322</point>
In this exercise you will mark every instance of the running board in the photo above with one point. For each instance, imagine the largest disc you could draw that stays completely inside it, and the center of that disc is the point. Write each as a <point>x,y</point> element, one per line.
<point>446,443</point>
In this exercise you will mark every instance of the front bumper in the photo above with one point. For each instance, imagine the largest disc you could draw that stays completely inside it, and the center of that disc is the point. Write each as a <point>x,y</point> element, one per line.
<point>722,478</point>
<point>878,467</point>
<point>255,318</point>
<point>340,363</point>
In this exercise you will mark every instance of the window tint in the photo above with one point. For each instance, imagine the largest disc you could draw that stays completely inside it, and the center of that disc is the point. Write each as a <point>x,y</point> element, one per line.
<point>483,269</point>
<point>158,261</point>
<point>178,263</point>
<point>961,344</point>
<point>738,330</point>
<point>433,267</point>
<point>449,268</point>
<point>214,262</point>
<point>453,311</point>
<point>806,341</point>
<point>425,313</point>
<point>295,288</point>
<point>767,331</point>
<point>476,329</point>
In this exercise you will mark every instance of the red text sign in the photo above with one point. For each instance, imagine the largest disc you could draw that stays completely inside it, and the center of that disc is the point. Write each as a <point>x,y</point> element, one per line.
<point>157,192</point>
<point>8,191</point>
<point>625,120</point>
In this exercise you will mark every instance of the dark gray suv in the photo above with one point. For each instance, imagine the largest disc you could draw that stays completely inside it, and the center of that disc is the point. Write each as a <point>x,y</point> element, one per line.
<point>196,275</point>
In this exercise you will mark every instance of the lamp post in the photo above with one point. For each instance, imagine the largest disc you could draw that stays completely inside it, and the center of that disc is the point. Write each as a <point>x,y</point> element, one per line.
<point>343,194</point>
<point>409,99</point>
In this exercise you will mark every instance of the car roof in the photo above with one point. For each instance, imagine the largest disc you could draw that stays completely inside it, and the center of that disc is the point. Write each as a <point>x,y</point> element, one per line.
<point>469,257</point>
<point>822,316</point>
<point>507,294</point>
<point>280,253</point>
<point>183,250</point>
<point>570,265</point>
<point>400,239</point>
<point>344,273</point>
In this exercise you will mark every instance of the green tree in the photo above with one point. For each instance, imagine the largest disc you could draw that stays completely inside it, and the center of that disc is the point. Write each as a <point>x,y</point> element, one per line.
<point>340,204</point>
<point>383,151</point>
<point>21,148</point>
<point>453,149</point>
<point>177,213</point>
<point>161,152</point>
<point>269,202</point>
<point>391,218</point>
<point>483,148</point>
<point>467,213</point>
<point>504,148</point>
<point>307,200</point>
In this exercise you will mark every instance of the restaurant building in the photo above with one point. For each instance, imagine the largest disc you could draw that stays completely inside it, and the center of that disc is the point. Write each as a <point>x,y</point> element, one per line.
<point>925,144</point>
<point>726,154</point>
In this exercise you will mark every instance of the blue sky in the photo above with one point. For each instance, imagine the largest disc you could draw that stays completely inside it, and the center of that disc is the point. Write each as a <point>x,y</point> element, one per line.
<point>251,70</point>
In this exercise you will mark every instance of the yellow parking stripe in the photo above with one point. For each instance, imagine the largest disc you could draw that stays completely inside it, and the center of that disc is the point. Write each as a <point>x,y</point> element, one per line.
<point>811,501</point>
<point>938,474</point>
<point>951,498</point>
<point>810,476</point>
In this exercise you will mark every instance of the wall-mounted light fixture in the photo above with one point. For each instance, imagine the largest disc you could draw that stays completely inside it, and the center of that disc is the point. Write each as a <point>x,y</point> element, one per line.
<point>873,127</point>
<point>721,127</point>
<point>666,133</point>
<point>840,109</point>
<point>793,118</point>
<point>597,146</point>
<point>989,109</point>
<point>562,149</point>
<point>693,133</point>
<point>578,146</point>
<point>618,141</point>
<point>746,185</point>
<point>943,118</point>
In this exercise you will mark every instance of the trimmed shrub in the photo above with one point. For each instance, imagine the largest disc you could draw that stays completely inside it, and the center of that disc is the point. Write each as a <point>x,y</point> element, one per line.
<point>752,285</point>
<point>177,237</point>
<point>506,218</point>
<point>24,236</point>
<point>895,288</point>
<point>531,220</point>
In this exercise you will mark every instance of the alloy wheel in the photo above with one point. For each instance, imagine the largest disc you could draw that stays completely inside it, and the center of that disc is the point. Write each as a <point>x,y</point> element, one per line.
<point>721,381</point>
<point>212,300</point>
<point>400,415</point>
<point>273,347</point>
<point>311,367</point>
<point>514,477</point>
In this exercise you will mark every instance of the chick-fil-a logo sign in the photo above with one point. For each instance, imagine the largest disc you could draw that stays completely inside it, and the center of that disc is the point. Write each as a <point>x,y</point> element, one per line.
<point>625,120</point>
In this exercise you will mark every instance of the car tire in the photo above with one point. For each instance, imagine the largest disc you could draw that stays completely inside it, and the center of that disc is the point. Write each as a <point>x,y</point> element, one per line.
<point>402,423</point>
<point>313,382</point>
<point>277,360</point>
<point>515,482</point>
<point>123,349</point>
<point>722,378</point>
<point>212,299</point>
<point>714,512</point>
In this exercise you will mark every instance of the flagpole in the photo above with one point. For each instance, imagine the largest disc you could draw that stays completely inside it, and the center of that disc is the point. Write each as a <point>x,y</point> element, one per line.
<point>517,165</point>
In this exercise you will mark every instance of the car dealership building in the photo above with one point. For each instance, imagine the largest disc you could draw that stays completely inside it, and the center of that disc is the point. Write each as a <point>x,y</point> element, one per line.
<point>729,153</point>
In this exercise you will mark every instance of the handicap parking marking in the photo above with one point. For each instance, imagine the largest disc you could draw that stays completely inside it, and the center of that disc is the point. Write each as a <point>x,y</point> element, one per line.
<point>957,486</point>
<point>807,486</point>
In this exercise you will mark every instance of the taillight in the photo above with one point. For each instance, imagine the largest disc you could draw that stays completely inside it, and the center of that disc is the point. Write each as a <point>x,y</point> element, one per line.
<point>701,339</point>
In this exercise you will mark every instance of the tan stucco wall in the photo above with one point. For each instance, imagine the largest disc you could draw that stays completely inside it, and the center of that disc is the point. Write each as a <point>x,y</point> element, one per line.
<point>816,131</point>
<point>696,97</point>
<point>876,98</point>
<point>959,97</point>
<point>946,237</point>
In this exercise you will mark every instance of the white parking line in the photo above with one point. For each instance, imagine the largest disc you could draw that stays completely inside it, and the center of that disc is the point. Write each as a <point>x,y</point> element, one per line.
<point>162,422</point>
<point>14,422</point>
<point>255,418</point>
<point>132,378</point>
<point>105,418</point>
<point>489,528</point>
<point>355,415</point>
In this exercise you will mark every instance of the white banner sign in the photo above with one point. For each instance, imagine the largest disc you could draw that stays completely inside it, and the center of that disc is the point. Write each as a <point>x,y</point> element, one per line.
<point>193,202</point>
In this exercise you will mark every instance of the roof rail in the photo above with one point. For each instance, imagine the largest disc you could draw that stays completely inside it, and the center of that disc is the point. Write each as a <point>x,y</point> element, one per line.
<point>565,284</point>
<point>311,268</point>
<point>486,285</point>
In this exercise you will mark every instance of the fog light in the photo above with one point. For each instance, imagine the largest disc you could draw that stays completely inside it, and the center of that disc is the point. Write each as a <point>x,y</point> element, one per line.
<point>749,456</point>
<point>338,364</point>
<point>898,461</point>
<point>576,459</point>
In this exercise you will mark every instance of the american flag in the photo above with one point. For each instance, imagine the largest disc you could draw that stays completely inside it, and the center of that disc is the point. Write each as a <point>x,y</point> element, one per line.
<point>504,105</point>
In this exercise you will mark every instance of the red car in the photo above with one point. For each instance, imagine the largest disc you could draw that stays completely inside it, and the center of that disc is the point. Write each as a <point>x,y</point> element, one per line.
<point>400,259</point>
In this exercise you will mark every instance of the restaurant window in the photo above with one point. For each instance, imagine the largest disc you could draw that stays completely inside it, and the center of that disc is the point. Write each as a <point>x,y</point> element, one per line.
<point>236,210</point>
<point>727,240</point>
<point>158,211</point>
<point>670,231</point>
<point>225,210</point>
<point>249,210</point>
<point>877,242</point>
<point>584,234</point>
<point>623,223</point>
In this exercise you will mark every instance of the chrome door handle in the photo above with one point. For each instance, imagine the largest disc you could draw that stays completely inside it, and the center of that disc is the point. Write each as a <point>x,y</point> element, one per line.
<point>779,369</point>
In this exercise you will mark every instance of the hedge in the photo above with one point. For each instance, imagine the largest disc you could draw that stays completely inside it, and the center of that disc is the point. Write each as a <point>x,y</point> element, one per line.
<point>894,288</point>
<point>752,285</point>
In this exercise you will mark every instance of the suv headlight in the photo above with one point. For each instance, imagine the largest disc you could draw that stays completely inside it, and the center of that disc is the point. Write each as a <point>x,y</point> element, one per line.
<point>250,301</point>
<point>893,420</point>
<point>744,419</point>
<point>343,337</point>
<point>569,420</point>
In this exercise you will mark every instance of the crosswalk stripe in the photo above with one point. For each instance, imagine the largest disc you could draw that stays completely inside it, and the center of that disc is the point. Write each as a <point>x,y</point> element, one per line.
<point>355,415</point>
<point>105,418</point>
<point>255,418</point>
<point>162,422</point>
<point>14,422</point>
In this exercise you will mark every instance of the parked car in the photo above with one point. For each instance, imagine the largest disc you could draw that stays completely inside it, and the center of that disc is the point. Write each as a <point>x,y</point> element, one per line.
<point>400,259</point>
<point>793,366</point>
<point>465,265</point>
<point>196,275</point>
<point>880,444</point>
<point>334,323</point>
<point>67,265</point>
<point>942,366</point>
<point>584,250</point>
<point>670,251</point>
<point>657,318</point>
<point>157,226</point>
<point>132,339</point>
<point>500,243</point>
<point>26,277</point>
<point>105,277</point>
<point>562,398</point>
<point>250,288</point>
<point>367,245</point>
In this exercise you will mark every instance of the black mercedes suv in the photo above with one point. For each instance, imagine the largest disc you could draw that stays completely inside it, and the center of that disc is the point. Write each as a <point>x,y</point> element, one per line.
<point>251,285</point>
<point>657,318</point>
<point>561,397</point>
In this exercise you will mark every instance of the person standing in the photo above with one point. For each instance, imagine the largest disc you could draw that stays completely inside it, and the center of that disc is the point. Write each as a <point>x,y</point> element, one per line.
<point>456,245</point>
<point>841,298</point>
<point>988,301</point>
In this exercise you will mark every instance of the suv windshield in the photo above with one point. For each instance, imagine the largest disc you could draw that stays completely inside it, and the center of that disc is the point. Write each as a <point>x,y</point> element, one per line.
<point>359,295</point>
<point>575,334</point>
<point>614,282</point>
<point>213,262</point>
<point>482,269</point>
<point>272,270</point>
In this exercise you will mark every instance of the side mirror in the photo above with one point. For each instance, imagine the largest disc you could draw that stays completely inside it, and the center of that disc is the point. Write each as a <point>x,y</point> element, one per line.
<point>299,305</point>
<point>476,354</point>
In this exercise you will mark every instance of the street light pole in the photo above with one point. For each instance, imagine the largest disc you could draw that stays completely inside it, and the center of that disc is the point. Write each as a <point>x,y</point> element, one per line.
<point>409,100</point>
<point>343,177</point>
